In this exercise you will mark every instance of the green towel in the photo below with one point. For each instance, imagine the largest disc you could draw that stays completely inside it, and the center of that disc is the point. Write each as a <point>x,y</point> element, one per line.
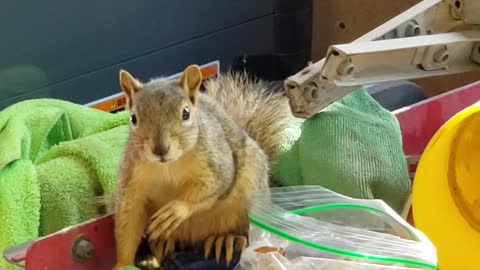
<point>55,157</point>
<point>353,147</point>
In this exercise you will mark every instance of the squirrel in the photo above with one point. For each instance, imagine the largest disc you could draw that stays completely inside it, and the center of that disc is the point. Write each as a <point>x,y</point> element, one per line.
<point>191,159</point>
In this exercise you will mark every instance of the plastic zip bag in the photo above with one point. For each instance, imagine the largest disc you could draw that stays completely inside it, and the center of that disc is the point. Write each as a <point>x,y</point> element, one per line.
<point>275,261</point>
<point>314,224</point>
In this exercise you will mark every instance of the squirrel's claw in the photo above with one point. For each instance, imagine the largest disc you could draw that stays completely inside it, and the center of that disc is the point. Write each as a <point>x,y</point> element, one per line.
<point>229,248</point>
<point>162,248</point>
<point>218,247</point>
<point>158,249</point>
<point>207,246</point>
<point>241,243</point>
<point>230,242</point>
<point>169,247</point>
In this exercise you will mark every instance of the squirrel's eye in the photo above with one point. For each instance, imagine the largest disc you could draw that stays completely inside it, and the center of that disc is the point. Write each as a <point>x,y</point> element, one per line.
<point>133,119</point>
<point>185,113</point>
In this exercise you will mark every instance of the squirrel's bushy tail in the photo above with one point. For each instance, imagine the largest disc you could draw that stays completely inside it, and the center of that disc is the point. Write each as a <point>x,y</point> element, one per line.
<point>262,112</point>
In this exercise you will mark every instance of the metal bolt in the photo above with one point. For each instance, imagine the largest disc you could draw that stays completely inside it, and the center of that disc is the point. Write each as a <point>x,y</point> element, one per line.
<point>313,88</point>
<point>346,68</point>
<point>458,4</point>
<point>456,9</point>
<point>82,249</point>
<point>441,55</point>
<point>412,29</point>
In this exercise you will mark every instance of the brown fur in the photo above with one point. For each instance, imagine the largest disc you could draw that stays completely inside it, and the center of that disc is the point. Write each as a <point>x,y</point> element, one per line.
<point>198,185</point>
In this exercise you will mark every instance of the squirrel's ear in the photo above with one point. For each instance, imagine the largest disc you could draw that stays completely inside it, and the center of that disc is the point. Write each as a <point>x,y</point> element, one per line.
<point>191,80</point>
<point>129,86</point>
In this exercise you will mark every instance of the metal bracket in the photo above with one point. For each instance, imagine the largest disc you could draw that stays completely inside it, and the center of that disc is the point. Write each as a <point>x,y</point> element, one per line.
<point>432,38</point>
<point>466,10</point>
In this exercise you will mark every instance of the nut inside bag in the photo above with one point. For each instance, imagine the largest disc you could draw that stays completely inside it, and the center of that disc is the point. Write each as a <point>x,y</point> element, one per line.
<point>311,227</point>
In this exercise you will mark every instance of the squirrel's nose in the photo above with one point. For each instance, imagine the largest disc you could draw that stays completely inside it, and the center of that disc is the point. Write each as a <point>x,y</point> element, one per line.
<point>161,150</point>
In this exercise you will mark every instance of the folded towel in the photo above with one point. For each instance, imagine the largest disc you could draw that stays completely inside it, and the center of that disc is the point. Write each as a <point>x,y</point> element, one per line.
<point>353,147</point>
<point>55,157</point>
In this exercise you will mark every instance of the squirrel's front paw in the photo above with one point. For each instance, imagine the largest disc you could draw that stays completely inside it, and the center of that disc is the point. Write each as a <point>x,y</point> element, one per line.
<point>167,219</point>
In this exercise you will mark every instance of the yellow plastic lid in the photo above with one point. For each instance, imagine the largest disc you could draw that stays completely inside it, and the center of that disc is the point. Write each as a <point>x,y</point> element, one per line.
<point>446,192</point>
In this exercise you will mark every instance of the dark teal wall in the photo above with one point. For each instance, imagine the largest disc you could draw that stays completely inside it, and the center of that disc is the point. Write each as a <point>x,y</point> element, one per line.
<point>73,49</point>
